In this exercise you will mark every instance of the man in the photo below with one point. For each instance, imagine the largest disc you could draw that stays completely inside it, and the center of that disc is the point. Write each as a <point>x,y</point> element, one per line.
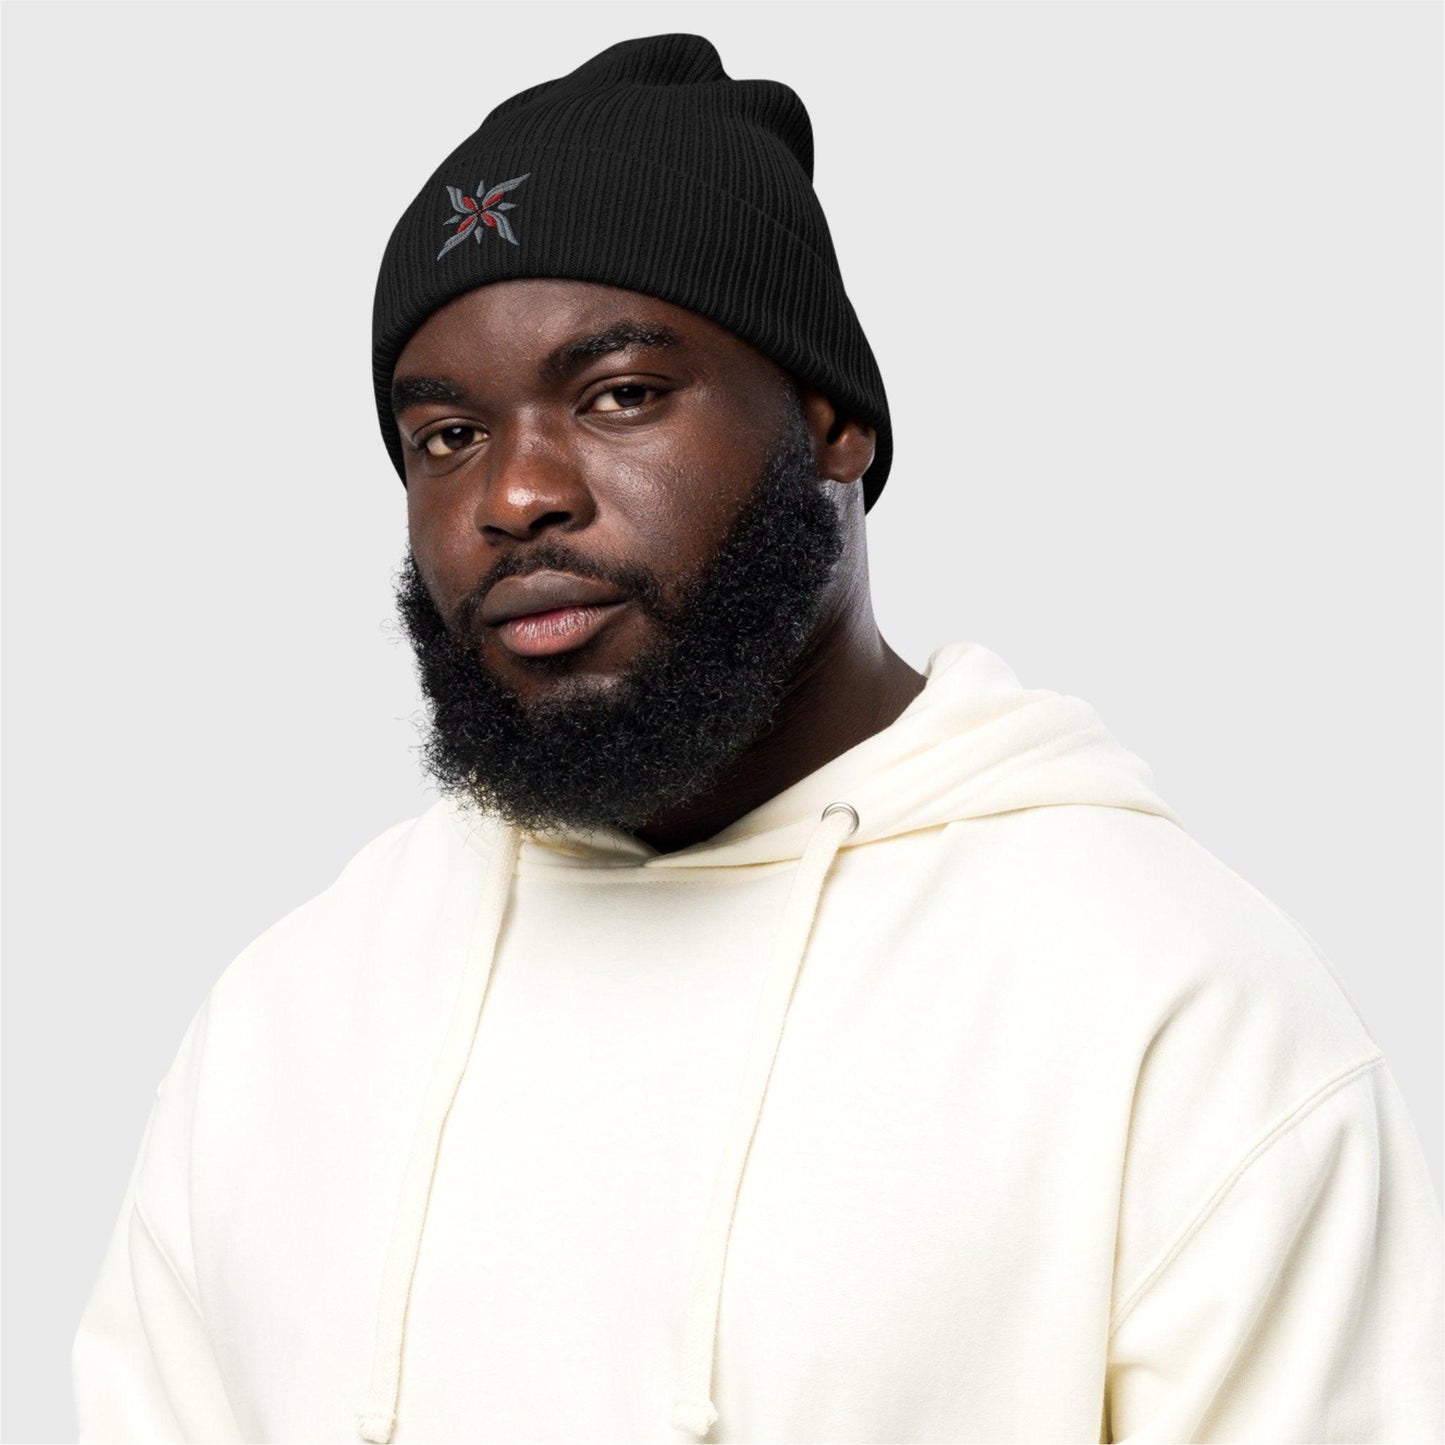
<point>759,1040</point>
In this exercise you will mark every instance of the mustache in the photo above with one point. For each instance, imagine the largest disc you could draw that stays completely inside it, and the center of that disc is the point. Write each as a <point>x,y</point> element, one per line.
<point>640,584</point>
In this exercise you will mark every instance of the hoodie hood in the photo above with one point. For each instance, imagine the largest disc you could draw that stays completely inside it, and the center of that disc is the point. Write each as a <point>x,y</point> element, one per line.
<point>974,742</point>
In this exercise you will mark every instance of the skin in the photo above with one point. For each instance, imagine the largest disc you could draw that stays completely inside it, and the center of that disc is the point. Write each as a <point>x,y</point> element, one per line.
<point>646,476</point>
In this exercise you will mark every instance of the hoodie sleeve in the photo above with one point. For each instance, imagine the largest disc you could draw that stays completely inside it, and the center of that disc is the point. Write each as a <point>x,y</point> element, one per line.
<point>1302,1301</point>
<point>142,1363</point>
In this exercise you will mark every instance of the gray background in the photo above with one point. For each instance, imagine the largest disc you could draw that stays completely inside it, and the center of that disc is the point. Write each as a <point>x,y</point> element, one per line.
<point>1156,293</point>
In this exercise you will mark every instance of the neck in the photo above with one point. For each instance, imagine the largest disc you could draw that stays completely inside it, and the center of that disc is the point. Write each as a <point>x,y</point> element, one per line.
<point>851,685</point>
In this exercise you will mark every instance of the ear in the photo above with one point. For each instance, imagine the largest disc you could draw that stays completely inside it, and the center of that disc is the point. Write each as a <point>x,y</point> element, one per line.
<point>843,446</point>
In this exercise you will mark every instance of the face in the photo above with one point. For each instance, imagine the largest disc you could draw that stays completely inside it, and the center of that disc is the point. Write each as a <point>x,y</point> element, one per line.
<point>620,547</point>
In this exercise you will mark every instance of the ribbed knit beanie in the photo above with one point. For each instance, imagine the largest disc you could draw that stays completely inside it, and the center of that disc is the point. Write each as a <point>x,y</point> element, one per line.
<point>648,168</point>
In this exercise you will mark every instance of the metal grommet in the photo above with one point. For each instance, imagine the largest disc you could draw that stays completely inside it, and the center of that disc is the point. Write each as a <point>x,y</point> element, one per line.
<point>846,807</point>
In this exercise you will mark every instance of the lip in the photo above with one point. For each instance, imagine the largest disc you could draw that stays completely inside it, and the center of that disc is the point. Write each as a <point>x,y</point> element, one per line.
<point>559,629</point>
<point>543,591</point>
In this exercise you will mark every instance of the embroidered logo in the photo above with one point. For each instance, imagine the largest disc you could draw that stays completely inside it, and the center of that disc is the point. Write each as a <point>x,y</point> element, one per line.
<point>474,214</point>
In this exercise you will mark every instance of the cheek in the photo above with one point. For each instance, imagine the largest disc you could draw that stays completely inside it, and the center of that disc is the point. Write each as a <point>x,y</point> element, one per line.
<point>432,511</point>
<point>447,555</point>
<point>677,543</point>
<point>673,519</point>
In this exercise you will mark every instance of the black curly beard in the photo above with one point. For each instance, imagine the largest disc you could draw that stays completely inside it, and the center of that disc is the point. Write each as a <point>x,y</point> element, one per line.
<point>726,655</point>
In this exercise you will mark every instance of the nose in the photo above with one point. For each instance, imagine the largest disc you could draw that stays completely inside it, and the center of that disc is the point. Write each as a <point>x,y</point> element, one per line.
<point>532,482</point>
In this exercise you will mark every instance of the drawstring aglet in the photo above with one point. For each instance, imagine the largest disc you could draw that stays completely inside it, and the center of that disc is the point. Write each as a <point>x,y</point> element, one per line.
<point>695,1416</point>
<point>376,1428</point>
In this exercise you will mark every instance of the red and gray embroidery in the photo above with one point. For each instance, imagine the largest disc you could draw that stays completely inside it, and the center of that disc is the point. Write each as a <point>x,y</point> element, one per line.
<point>474,214</point>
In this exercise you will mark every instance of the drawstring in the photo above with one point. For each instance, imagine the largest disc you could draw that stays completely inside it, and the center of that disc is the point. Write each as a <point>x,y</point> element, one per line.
<point>378,1419</point>
<point>692,1409</point>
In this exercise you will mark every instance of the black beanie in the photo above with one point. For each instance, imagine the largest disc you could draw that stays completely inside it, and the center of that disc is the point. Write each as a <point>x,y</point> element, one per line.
<point>648,168</point>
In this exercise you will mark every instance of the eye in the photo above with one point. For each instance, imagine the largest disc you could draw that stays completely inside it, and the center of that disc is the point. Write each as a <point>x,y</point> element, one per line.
<point>444,435</point>
<point>630,396</point>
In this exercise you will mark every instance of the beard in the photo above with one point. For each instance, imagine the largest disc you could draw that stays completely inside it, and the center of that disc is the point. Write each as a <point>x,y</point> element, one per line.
<point>706,688</point>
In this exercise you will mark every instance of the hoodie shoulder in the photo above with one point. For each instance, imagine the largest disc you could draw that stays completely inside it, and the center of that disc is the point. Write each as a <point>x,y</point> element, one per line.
<point>357,882</point>
<point>390,882</point>
<point>1218,1015</point>
<point>1171,929</point>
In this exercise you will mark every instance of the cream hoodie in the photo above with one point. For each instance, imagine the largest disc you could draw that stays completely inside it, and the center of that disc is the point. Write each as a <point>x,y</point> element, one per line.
<point>954,1094</point>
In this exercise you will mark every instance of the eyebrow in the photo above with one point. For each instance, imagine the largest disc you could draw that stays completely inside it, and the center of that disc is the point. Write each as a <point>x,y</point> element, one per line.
<point>554,368</point>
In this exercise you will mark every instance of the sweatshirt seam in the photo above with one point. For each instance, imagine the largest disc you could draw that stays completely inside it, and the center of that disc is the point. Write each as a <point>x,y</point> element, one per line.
<point>170,1263</point>
<point>202,1025</point>
<point>189,1298</point>
<point>1283,1126</point>
<point>197,1080</point>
